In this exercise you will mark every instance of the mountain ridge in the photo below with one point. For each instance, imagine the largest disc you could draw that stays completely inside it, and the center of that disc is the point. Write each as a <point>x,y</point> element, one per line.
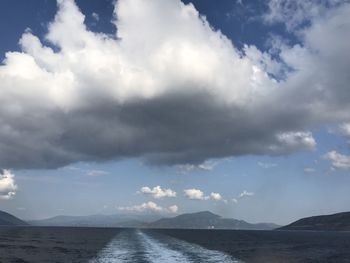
<point>99,220</point>
<point>7,219</point>
<point>332,222</point>
<point>208,220</point>
<point>198,220</point>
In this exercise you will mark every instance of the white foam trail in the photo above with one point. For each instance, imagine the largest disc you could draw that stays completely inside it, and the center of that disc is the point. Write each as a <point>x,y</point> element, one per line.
<point>205,255</point>
<point>196,253</point>
<point>159,253</point>
<point>119,249</point>
<point>136,246</point>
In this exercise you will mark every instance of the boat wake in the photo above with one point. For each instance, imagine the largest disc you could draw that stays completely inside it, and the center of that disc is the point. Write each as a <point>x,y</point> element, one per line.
<point>138,246</point>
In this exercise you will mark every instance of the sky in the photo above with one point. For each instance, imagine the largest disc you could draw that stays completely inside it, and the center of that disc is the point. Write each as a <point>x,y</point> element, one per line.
<point>166,106</point>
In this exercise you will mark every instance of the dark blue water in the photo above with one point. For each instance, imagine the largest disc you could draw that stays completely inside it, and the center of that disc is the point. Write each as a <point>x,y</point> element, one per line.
<point>108,245</point>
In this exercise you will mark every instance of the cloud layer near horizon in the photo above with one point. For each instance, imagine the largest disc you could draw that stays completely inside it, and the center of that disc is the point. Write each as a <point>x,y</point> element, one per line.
<point>167,88</point>
<point>149,207</point>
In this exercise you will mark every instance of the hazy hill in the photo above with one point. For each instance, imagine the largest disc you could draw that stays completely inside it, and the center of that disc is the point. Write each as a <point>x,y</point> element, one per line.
<point>200,220</point>
<point>205,220</point>
<point>7,219</point>
<point>336,222</point>
<point>118,220</point>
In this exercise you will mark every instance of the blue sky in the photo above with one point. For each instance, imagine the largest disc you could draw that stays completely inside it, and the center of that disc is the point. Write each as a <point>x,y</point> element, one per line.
<point>237,106</point>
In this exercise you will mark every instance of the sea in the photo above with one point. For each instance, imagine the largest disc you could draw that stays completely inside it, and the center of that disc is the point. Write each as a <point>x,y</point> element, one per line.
<point>109,245</point>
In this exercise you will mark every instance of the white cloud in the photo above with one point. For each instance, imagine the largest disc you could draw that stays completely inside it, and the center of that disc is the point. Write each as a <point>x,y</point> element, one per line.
<point>95,16</point>
<point>345,129</point>
<point>8,186</point>
<point>149,206</point>
<point>157,192</point>
<point>294,13</point>
<point>245,194</point>
<point>267,165</point>
<point>309,170</point>
<point>73,168</point>
<point>296,139</point>
<point>338,161</point>
<point>216,196</point>
<point>173,209</point>
<point>242,195</point>
<point>195,194</point>
<point>105,98</point>
<point>93,92</point>
<point>94,173</point>
<point>264,60</point>
<point>205,166</point>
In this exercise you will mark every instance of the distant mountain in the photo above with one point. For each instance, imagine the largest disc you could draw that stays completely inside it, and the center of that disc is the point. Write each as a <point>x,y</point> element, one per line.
<point>335,222</point>
<point>118,220</point>
<point>7,219</point>
<point>208,220</point>
<point>200,220</point>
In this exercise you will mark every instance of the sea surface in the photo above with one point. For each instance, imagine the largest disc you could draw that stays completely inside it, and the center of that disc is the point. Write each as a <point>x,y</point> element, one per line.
<point>108,245</point>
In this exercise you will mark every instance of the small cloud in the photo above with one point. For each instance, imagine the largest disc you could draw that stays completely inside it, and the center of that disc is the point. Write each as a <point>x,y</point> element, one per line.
<point>338,161</point>
<point>309,170</point>
<point>73,168</point>
<point>345,129</point>
<point>195,194</point>
<point>245,194</point>
<point>217,197</point>
<point>95,173</point>
<point>234,200</point>
<point>295,14</point>
<point>157,192</point>
<point>95,16</point>
<point>267,165</point>
<point>21,208</point>
<point>187,168</point>
<point>173,209</point>
<point>298,139</point>
<point>149,206</point>
<point>8,186</point>
<point>92,172</point>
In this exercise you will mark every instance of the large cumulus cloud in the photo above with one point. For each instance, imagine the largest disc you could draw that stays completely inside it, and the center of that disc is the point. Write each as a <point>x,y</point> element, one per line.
<point>167,88</point>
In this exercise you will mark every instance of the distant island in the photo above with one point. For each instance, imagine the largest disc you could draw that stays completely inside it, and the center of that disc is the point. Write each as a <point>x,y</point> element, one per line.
<point>99,220</point>
<point>334,222</point>
<point>7,219</point>
<point>208,220</point>
<point>199,220</point>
